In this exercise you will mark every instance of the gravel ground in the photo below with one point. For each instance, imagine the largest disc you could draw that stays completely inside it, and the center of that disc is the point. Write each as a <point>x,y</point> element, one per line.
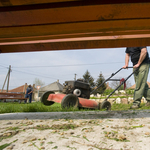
<point>93,130</point>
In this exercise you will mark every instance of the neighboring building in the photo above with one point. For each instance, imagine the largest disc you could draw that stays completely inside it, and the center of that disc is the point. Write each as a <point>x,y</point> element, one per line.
<point>133,86</point>
<point>20,89</point>
<point>55,87</point>
<point>2,91</point>
<point>107,86</point>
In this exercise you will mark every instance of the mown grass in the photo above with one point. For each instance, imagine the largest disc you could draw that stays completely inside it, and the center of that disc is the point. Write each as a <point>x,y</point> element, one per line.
<point>119,107</point>
<point>10,107</point>
<point>30,107</point>
<point>56,107</point>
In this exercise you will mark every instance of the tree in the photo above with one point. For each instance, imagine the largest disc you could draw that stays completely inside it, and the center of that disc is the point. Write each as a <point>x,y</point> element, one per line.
<point>89,79</point>
<point>115,84</point>
<point>99,81</point>
<point>38,82</point>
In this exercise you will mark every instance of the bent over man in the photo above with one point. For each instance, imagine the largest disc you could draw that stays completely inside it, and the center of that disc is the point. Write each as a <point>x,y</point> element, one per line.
<point>140,59</point>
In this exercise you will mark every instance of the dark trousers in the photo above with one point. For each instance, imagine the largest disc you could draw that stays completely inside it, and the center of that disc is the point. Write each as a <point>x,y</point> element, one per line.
<point>28,96</point>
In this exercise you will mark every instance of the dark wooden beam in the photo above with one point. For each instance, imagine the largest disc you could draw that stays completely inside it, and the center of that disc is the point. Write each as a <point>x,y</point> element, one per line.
<point>72,24</point>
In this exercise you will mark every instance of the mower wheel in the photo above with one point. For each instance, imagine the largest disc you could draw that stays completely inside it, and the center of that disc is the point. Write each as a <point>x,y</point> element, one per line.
<point>69,101</point>
<point>44,98</point>
<point>105,105</point>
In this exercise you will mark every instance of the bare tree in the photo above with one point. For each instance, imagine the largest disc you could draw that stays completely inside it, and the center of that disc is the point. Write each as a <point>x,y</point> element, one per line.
<point>38,82</point>
<point>115,84</point>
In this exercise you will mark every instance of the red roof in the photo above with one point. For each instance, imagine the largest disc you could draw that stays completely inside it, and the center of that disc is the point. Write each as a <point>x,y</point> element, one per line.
<point>133,86</point>
<point>19,89</point>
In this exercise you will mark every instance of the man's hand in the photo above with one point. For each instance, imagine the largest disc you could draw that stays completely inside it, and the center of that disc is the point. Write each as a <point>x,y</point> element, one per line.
<point>136,66</point>
<point>125,67</point>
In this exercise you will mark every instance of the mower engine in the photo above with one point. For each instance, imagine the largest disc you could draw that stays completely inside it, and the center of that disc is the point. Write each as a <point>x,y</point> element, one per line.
<point>78,87</point>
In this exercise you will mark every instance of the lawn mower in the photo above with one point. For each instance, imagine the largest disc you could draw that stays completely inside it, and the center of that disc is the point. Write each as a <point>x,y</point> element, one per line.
<point>76,94</point>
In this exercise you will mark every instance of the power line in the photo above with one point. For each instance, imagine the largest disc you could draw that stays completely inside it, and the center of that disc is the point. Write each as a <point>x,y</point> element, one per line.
<point>34,74</point>
<point>4,66</point>
<point>68,65</point>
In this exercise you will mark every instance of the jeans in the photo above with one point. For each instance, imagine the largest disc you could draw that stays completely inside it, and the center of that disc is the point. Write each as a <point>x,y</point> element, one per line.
<point>141,89</point>
<point>28,96</point>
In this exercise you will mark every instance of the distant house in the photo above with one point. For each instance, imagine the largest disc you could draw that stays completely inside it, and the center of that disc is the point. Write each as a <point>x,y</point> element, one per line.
<point>133,86</point>
<point>2,91</point>
<point>55,87</point>
<point>107,86</point>
<point>20,89</point>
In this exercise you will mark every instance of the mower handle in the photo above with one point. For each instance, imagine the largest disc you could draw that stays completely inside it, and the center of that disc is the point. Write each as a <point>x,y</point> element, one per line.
<point>109,78</point>
<point>122,83</point>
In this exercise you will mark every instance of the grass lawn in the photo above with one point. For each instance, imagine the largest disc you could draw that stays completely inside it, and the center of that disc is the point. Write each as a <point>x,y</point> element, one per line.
<point>10,107</point>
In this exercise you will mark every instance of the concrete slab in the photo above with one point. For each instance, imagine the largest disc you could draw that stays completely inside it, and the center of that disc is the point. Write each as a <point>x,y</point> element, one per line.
<point>76,115</point>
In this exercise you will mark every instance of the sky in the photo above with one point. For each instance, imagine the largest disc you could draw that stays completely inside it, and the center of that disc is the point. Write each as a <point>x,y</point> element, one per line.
<point>50,66</point>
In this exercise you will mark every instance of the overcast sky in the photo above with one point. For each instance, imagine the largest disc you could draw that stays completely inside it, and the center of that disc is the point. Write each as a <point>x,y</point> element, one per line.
<point>50,66</point>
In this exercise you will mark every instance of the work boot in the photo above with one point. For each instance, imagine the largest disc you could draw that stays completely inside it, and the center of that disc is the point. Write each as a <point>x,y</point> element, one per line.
<point>147,104</point>
<point>134,106</point>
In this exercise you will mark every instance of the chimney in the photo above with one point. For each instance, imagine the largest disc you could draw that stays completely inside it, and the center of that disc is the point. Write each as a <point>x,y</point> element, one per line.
<point>25,87</point>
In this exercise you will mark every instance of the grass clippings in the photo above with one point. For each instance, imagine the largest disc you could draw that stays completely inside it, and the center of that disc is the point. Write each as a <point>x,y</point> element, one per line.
<point>7,144</point>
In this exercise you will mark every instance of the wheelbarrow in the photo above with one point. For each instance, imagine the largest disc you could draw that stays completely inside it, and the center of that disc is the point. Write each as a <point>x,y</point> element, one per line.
<point>71,100</point>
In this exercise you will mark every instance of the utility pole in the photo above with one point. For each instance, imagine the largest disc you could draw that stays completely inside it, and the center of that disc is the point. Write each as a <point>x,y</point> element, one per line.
<point>7,78</point>
<point>75,76</point>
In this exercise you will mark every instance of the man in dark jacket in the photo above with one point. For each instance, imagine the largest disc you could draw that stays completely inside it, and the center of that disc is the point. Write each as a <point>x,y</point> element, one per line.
<point>29,92</point>
<point>140,59</point>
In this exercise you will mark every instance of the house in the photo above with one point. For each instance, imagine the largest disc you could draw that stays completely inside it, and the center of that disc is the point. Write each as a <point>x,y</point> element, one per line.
<point>22,88</point>
<point>133,86</point>
<point>55,87</point>
<point>107,86</point>
<point>2,91</point>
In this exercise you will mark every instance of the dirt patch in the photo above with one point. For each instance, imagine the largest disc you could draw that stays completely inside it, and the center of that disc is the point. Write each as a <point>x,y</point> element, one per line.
<point>126,130</point>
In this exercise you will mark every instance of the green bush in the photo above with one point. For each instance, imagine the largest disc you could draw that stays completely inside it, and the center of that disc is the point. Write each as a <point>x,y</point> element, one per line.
<point>107,92</point>
<point>129,91</point>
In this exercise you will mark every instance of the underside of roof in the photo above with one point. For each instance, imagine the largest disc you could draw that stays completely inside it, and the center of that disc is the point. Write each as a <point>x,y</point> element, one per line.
<point>47,25</point>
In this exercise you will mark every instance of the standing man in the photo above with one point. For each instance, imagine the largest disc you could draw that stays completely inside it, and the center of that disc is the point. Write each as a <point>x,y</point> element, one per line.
<point>29,92</point>
<point>140,59</point>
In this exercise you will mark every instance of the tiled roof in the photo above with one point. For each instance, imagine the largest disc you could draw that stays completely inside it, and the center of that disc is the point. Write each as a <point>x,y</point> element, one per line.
<point>133,86</point>
<point>3,90</point>
<point>19,89</point>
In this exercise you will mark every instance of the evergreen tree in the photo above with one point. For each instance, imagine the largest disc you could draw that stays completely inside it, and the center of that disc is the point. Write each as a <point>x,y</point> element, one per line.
<point>89,79</point>
<point>99,81</point>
